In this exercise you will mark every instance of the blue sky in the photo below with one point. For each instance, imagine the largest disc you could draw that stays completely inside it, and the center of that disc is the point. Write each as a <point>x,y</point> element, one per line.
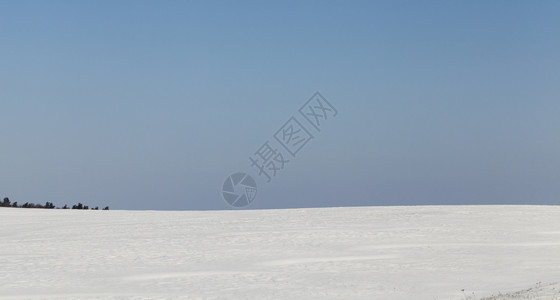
<point>153,104</point>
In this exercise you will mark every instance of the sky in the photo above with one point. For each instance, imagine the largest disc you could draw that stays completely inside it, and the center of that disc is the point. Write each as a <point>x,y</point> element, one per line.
<point>154,104</point>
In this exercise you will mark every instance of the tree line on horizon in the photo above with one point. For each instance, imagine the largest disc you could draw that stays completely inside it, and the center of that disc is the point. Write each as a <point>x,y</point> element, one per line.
<point>48,205</point>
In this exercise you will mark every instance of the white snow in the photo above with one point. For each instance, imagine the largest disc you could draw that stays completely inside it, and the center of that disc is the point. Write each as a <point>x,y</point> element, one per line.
<point>422,252</point>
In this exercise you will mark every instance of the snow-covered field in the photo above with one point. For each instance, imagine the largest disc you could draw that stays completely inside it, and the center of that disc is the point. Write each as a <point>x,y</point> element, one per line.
<point>425,252</point>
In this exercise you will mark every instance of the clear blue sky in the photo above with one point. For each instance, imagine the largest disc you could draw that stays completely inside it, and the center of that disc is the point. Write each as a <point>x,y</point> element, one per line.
<point>153,104</point>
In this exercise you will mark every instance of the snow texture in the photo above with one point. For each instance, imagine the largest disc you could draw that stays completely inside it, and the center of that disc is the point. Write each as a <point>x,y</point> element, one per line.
<point>422,252</point>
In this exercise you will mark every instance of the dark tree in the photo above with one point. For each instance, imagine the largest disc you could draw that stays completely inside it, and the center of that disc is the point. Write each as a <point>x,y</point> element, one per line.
<point>48,205</point>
